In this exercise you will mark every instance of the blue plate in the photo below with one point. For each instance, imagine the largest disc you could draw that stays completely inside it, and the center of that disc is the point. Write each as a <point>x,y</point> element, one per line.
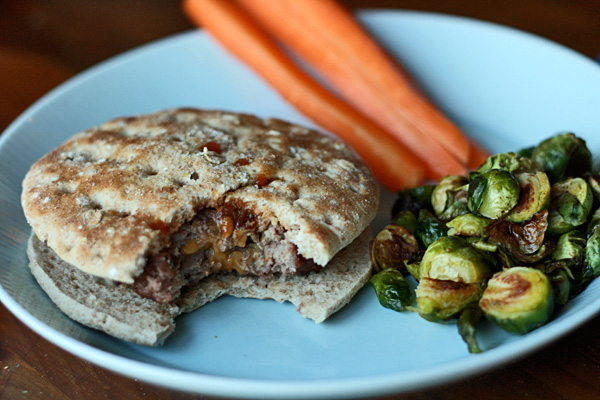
<point>505,88</point>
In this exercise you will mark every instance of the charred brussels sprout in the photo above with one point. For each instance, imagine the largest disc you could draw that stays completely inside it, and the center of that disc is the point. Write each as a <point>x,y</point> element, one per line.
<point>525,241</point>
<point>534,196</point>
<point>511,162</point>
<point>570,205</point>
<point>467,225</point>
<point>449,198</point>
<point>413,200</point>
<point>563,156</point>
<point>518,299</point>
<point>393,291</point>
<point>429,228</point>
<point>439,300</point>
<point>392,247</point>
<point>493,193</point>
<point>452,258</point>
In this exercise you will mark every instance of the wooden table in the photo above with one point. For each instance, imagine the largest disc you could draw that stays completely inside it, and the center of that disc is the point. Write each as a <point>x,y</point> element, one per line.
<point>43,42</point>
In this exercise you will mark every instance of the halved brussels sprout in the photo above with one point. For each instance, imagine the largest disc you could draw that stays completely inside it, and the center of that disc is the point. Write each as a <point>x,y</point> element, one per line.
<point>392,247</point>
<point>522,239</point>
<point>467,225</point>
<point>570,205</point>
<point>493,193</point>
<point>570,248</point>
<point>534,196</point>
<point>452,258</point>
<point>439,300</point>
<point>511,162</point>
<point>429,228</point>
<point>393,291</point>
<point>518,299</point>
<point>594,181</point>
<point>449,198</point>
<point>560,277</point>
<point>563,156</point>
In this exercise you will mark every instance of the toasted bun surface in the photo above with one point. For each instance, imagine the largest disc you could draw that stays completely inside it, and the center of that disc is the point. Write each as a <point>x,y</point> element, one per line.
<point>112,195</point>
<point>120,312</point>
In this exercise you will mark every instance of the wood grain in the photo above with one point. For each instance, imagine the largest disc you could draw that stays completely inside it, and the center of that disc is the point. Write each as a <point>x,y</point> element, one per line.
<point>43,42</point>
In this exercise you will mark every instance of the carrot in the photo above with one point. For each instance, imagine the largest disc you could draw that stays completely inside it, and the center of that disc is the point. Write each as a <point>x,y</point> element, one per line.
<point>330,40</point>
<point>390,161</point>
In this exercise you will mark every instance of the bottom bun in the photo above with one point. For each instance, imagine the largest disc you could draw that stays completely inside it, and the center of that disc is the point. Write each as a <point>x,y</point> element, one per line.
<point>117,310</point>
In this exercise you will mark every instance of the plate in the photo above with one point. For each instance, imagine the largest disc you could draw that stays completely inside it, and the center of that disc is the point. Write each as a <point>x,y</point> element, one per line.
<point>506,88</point>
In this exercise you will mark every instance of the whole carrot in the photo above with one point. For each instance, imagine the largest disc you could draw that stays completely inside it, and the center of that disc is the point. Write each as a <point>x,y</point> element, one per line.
<point>391,162</point>
<point>331,41</point>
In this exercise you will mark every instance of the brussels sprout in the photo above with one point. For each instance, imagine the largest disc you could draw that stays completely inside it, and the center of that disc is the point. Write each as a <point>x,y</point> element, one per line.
<point>534,196</point>
<point>467,322</point>
<point>406,219</point>
<point>593,221</point>
<point>493,193</point>
<point>591,263</point>
<point>511,162</point>
<point>413,199</point>
<point>413,269</point>
<point>449,198</point>
<point>392,247</point>
<point>520,239</point>
<point>467,225</point>
<point>452,258</point>
<point>570,205</point>
<point>393,291</point>
<point>482,244</point>
<point>562,156</point>
<point>429,228</point>
<point>570,248</point>
<point>560,277</point>
<point>439,300</point>
<point>526,151</point>
<point>594,181</point>
<point>518,299</point>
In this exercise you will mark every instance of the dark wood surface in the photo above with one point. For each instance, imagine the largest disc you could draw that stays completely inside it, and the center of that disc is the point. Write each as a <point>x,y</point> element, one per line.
<point>42,43</point>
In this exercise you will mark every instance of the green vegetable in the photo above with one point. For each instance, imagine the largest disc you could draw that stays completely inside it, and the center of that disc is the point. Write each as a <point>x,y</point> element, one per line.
<point>467,324</point>
<point>392,247</point>
<point>392,290</point>
<point>591,264</point>
<point>439,300</point>
<point>511,162</point>
<point>570,248</point>
<point>406,219</point>
<point>562,156</point>
<point>518,299</point>
<point>429,228</point>
<point>449,198</point>
<point>452,258</point>
<point>493,193</point>
<point>467,225</point>
<point>534,189</point>
<point>571,203</point>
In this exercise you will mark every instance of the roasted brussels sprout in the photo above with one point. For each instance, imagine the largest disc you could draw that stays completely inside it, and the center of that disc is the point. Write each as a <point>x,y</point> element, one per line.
<point>439,300</point>
<point>561,279</point>
<point>570,205</point>
<point>493,193</point>
<point>570,248</point>
<point>452,258</point>
<point>518,299</point>
<point>449,198</point>
<point>406,219</point>
<point>511,162</point>
<point>393,291</point>
<point>392,247</point>
<point>521,240</point>
<point>413,199</point>
<point>534,196</point>
<point>467,225</point>
<point>591,264</point>
<point>562,156</point>
<point>429,228</point>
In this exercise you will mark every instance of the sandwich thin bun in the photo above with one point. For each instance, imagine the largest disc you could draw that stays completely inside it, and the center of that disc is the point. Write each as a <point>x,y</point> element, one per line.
<point>117,310</point>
